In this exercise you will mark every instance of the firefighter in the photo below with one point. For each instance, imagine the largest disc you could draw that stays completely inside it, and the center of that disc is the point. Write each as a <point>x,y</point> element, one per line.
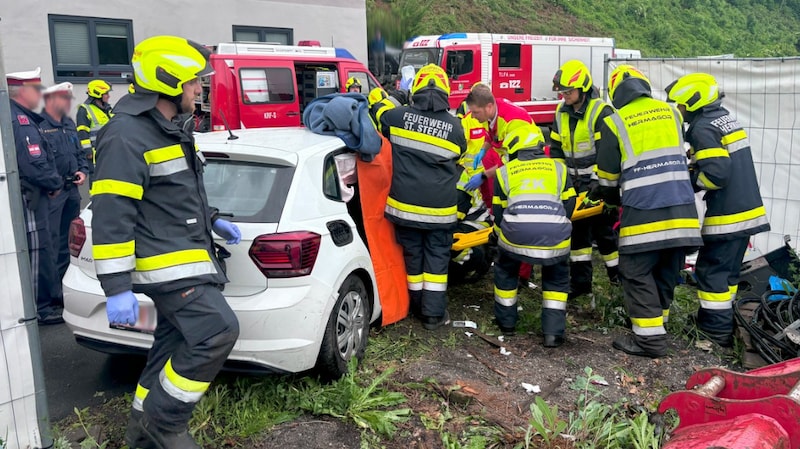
<point>152,230</point>
<point>641,155</point>
<point>722,166</point>
<point>574,140</point>
<point>533,202</point>
<point>39,182</point>
<point>92,115</point>
<point>426,144</point>
<point>70,162</point>
<point>353,85</point>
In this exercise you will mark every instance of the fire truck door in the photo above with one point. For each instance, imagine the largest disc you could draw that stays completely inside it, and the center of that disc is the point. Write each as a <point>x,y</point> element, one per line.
<point>463,66</point>
<point>512,65</point>
<point>269,95</point>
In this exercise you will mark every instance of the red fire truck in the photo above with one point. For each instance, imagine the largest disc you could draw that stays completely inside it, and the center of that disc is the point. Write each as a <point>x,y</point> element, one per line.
<point>518,67</point>
<point>263,85</point>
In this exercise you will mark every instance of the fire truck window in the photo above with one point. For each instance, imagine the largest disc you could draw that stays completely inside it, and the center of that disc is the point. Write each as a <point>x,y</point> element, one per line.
<point>510,55</point>
<point>366,81</point>
<point>459,62</point>
<point>268,85</point>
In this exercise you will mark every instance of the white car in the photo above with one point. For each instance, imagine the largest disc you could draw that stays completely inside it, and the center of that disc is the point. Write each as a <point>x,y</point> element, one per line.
<point>301,281</point>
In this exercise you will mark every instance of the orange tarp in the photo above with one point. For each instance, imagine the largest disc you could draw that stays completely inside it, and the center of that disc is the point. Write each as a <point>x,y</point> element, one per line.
<point>374,180</point>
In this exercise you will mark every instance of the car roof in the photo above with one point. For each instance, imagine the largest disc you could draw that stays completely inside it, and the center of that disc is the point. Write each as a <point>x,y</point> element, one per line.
<point>286,143</point>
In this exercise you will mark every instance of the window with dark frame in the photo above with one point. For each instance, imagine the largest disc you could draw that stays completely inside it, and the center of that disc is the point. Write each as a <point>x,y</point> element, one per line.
<point>460,62</point>
<point>510,55</point>
<point>87,48</point>
<point>282,36</point>
<point>267,85</point>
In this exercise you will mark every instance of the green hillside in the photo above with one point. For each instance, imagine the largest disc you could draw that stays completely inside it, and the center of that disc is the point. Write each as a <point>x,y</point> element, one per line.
<point>656,27</point>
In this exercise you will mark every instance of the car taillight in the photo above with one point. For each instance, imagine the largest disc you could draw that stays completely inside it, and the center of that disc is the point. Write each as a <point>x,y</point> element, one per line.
<point>77,237</point>
<point>286,255</point>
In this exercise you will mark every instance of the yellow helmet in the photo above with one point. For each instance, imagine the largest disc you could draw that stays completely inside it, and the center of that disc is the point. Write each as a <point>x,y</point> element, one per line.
<point>694,91</point>
<point>163,64</point>
<point>98,88</point>
<point>622,73</point>
<point>523,137</point>
<point>352,81</point>
<point>572,75</point>
<point>431,77</point>
<point>375,95</point>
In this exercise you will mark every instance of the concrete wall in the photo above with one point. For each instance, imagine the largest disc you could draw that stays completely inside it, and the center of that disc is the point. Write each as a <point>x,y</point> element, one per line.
<point>25,37</point>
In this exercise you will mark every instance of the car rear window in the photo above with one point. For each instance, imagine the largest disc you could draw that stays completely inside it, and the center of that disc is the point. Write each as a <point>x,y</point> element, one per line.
<point>246,191</point>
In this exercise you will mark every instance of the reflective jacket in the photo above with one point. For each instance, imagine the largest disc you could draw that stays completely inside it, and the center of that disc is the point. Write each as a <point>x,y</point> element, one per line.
<point>476,137</point>
<point>647,161</point>
<point>64,148</point>
<point>723,166</point>
<point>508,117</point>
<point>574,139</point>
<point>426,146</point>
<point>90,119</point>
<point>151,221</point>
<point>532,196</point>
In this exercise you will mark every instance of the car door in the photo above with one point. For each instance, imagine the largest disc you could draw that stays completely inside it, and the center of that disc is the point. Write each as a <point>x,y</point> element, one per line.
<point>269,95</point>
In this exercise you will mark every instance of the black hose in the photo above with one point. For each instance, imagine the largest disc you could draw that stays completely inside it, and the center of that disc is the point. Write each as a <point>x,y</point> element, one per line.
<point>771,317</point>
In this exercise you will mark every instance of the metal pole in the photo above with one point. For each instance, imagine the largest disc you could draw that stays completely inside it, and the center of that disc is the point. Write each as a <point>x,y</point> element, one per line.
<point>11,178</point>
<point>604,87</point>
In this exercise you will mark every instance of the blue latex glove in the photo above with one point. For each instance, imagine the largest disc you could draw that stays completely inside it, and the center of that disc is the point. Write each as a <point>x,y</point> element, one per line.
<point>479,158</point>
<point>122,308</point>
<point>227,230</point>
<point>474,182</point>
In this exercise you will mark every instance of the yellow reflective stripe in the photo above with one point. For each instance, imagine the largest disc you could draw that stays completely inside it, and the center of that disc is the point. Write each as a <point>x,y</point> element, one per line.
<point>435,211</point>
<point>438,278</point>
<point>505,294</point>
<point>716,297</point>
<point>666,313</point>
<point>708,153</point>
<point>500,202</point>
<point>414,278</point>
<point>188,385</point>
<point>141,392</point>
<point>581,252</point>
<point>703,181</point>
<point>113,250</point>
<point>554,136</point>
<point>609,257</point>
<point>164,154</point>
<point>555,296</point>
<point>419,137</point>
<point>659,226</point>
<point>461,215</point>
<point>733,289</point>
<point>648,322</point>
<point>733,137</point>
<point>567,194</point>
<point>719,220</point>
<point>114,187</point>
<point>172,259</point>
<point>83,128</point>
<point>607,175</point>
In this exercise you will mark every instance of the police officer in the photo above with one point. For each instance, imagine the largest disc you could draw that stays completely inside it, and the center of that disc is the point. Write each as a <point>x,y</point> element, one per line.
<point>574,139</point>
<point>641,154</point>
<point>40,182</point>
<point>92,115</point>
<point>534,199</point>
<point>153,234</point>
<point>426,144</point>
<point>722,166</point>
<point>62,139</point>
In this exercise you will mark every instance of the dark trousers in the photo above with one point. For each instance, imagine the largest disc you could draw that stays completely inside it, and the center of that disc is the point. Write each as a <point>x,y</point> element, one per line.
<point>40,252</point>
<point>555,288</point>
<point>427,256</point>
<point>63,209</point>
<point>195,333</point>
<point>717,270</point>
<point>599,229</point>
<point>648,282</point>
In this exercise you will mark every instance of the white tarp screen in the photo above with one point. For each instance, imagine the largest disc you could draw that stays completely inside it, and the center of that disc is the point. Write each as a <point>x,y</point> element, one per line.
<point>764,94</point>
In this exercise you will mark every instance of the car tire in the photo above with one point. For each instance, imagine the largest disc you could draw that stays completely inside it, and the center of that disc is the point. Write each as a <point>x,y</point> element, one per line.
<point>347,330</point>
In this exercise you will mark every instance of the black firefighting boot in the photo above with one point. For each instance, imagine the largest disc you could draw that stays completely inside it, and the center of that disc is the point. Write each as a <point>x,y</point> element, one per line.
<point>143,429</point>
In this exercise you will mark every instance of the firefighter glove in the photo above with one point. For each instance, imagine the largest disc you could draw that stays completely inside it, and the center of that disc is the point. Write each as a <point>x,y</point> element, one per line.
<point>475,182</point>
<point>228,231</point>
<point>122,308</point>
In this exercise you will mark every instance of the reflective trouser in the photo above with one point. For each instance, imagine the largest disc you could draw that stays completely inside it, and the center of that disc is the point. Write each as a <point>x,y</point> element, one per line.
<point>427,256</point>
<point>599,229</point>
<point>63,209</point>
<point>195,333</point>
<point>40,252</point>
<point>717,271</point>
<point>648,283</point>
<point>555,288</point>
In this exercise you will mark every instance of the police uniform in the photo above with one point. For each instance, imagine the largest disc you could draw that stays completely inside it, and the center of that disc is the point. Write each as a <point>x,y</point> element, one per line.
<point>533,200</point>
<point>426,144</point>
<point>641,153</point>
<point>574,139</point>
<point>38,179</point>
<point>723,167</point>
<point>90,118</point>
<point>152,233</point>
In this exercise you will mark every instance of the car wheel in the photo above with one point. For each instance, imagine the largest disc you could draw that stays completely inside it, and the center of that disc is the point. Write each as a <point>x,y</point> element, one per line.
<point>347,330</point>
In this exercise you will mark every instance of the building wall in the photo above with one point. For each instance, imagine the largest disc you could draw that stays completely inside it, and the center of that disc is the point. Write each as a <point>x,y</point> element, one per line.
<point>25,37</point>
